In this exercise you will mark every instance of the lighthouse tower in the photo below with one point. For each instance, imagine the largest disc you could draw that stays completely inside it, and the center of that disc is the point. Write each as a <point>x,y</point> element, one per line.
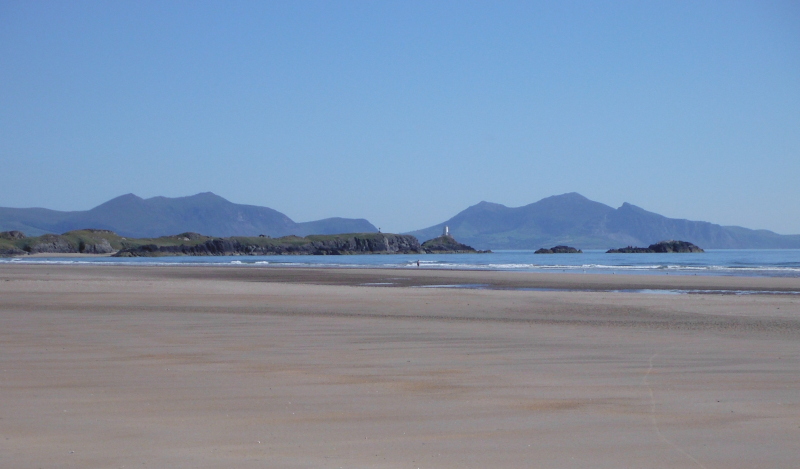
<point>446,231</point>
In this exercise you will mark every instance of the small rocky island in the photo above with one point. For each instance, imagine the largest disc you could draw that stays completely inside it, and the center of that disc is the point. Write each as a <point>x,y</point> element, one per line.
<point>447,245</point>
<point>660,247</point>
<point>559,250</point>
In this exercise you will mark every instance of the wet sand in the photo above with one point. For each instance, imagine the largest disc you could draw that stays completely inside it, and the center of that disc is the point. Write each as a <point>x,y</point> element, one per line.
<point>112,366</point>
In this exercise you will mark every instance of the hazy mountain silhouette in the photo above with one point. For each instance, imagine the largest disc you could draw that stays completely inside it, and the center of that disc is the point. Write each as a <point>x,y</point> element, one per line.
<point>206,213</point>
<point>572,219</point>
<point>568,219</point>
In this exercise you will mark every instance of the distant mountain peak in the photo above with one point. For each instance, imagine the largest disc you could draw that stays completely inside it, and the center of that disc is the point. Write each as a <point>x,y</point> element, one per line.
<point>121,201</point>
<point>201,196</point>
<point>207,195</point>
<point>634,209</point>
<point>573,219</point>
<point>567,196</point>
<point>205,212</point>
<point>128,196</point>
<point>570,198</point>
<point>485,204</point>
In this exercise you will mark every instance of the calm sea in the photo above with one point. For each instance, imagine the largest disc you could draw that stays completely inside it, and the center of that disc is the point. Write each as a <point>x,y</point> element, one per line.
<point>741,262</point>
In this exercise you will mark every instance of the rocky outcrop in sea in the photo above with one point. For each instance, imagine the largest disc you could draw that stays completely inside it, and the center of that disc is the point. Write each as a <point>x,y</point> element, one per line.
<point>559,250</point>
<point>446,244</point>
<point>660,247</point>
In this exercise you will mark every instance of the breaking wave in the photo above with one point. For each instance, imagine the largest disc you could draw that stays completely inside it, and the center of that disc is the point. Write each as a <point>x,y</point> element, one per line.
<point>766,263</point>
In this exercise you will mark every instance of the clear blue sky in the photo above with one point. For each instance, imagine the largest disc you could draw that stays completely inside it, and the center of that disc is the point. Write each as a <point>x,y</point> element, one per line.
<point>405,113</point>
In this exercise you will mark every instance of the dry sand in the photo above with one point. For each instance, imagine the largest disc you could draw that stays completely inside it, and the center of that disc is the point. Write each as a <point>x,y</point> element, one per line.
<point>122,366</point>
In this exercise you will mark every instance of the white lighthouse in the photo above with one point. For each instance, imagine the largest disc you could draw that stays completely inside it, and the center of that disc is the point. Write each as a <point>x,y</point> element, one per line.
<point>446,231</point>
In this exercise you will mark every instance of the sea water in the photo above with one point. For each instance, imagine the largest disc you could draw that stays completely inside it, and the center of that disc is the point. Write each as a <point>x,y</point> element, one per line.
<point>738,262</point>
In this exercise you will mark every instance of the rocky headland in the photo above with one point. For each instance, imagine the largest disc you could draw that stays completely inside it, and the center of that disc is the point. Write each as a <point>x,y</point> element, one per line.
<point>93,241</point>
<point>88,241</point>
<point>193,244</point>
<point>660,247</point>
<point>558,250</point>
<point>7,243</point>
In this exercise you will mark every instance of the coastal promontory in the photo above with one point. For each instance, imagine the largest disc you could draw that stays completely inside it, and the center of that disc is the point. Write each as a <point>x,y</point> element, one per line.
<point>87,241</point>
<point>105,242</point>
<point>193,244</point>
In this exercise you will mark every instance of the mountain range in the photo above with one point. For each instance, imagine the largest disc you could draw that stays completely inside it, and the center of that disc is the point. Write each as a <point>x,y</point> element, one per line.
<point>567,219</point>
<point>206,213</point>
<point>572,219</point>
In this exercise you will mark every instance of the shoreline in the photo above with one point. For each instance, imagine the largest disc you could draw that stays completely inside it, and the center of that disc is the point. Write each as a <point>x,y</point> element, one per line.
<point>724,264</point>
<point>438,278</point>
<point>63,254</point>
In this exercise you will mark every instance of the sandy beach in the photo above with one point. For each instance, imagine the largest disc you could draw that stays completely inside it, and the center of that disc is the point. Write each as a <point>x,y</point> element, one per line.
<point>217,367</point>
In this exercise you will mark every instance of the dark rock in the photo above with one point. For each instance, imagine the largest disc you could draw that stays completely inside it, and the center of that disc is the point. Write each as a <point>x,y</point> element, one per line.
<point>71,242</point>
<point>674,246</point>
<point>660,247</point>
<point>558,250</point>
<point>566,250</point>
<point>11,251</point>
<point>446,244</point>
<point>51,243</point>
<point>12,235</point>
<point>102,246</point>
<point>629,250</point>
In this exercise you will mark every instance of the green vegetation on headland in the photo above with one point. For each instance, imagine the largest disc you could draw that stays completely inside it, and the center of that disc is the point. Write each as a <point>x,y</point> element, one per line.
<point>193,244</point>
<point>91,241</point>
